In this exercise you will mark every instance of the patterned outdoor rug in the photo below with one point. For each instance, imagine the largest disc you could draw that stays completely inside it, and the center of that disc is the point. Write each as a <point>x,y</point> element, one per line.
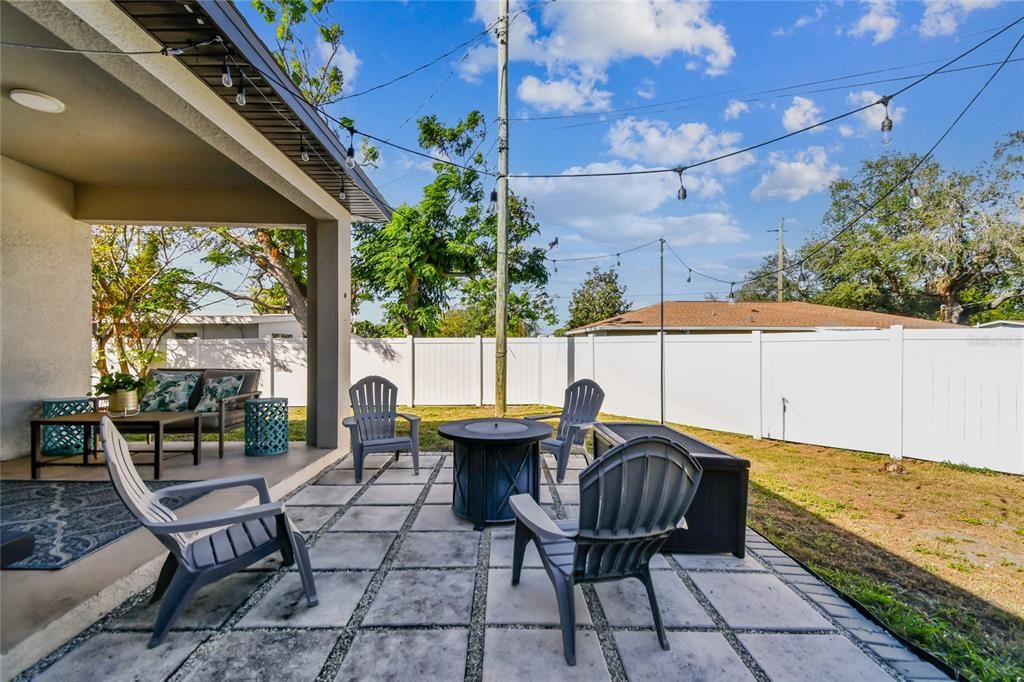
<point>70,519</point>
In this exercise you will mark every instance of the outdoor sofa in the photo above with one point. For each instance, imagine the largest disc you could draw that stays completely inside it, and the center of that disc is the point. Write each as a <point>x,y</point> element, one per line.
<point>231,410</point>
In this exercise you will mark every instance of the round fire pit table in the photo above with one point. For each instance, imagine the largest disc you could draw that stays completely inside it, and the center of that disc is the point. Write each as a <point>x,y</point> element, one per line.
<point>494,460</point>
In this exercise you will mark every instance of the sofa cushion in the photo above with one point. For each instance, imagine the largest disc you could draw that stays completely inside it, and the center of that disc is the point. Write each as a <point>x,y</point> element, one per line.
<point>216,389</point>
<point>172,392</point>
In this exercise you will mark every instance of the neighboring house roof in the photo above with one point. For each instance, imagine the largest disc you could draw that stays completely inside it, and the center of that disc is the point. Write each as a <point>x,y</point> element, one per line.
<point>174,24</point>
<point>753,315</point>
<point>236,319</point>
<point>1001,323</point>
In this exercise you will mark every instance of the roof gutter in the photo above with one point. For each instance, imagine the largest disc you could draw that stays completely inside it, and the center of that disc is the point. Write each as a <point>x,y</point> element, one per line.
<point>239,33</point>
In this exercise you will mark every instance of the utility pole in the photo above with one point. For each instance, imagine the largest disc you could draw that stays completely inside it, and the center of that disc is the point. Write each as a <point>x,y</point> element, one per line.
<point>661,327</point>
<point>500,313</point>
<point>780,263</point>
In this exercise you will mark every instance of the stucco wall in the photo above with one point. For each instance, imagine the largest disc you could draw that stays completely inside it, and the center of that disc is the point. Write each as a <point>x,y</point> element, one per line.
<point>45,295</point>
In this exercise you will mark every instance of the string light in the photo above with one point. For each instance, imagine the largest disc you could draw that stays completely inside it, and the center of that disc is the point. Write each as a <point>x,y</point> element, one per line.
<point>618,261</point>
<point>341,193</point>
<point>886,122</point>
<point>225,74</point>
<point>681,194</point>
<point>240,96</point>
<point>689,275</point>
<point>303,153</point>
<point>492,207</point>
<point>350,154</point>
<point>915,199</point>
<point>732,295</point>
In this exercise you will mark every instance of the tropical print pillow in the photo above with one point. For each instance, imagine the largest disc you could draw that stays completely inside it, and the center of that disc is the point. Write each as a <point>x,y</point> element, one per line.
<point>171,392</point>
<point>218,389</point>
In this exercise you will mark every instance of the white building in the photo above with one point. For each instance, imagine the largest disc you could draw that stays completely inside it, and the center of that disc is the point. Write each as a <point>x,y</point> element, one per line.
<point>282,326</point>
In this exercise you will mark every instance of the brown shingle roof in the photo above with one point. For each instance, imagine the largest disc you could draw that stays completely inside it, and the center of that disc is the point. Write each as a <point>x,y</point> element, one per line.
<point>754,315</point>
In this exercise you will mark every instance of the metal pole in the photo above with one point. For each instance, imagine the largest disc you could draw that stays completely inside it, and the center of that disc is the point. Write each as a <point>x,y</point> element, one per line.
<point>661,327</point>
<point>782,261</point>
<point>500,313</point>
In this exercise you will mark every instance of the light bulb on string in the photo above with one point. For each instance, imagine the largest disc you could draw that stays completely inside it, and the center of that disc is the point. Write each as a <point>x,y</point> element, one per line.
<point>689,275</point>
<point>225,74</point>
<point>915,199</point>
<point>802,279</point>
<point>681,194</point>
<point>341,193</point>
<point>240,95</point>
<point>886,122</point>
<point>303,152</point>
<point>350,154</point>
<point>732,295</point>
<point>555,263</point>
<point>492,206</point>
<point>618,261</point>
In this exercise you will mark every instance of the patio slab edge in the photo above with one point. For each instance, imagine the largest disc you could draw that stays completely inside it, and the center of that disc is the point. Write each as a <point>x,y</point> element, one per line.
<point>56,634</point>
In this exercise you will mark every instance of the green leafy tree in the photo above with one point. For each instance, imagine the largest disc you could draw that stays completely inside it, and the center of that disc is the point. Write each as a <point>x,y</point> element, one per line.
<point>142,285</point>
<point>957,258</point>
<point>598,297</point>
<point>274,261</point>
<point>443,247</point>
<point>764,285</point>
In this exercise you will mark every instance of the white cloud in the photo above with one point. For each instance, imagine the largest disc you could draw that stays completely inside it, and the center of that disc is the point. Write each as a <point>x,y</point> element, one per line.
<point>802,113</point>
<point>735,109</point>
<point>479,60</point>
<point>871,118</point>
<point>880,21</point>
<point>345,59</point>
<point>943,17</point>
<point>646,89</point>
<point>564,95</point>
<point>793,179</point>
<point>657,142</point>
<point>580,40</point>
<point>622,207</point>
<point>846,131</point>
<point>804,20</point>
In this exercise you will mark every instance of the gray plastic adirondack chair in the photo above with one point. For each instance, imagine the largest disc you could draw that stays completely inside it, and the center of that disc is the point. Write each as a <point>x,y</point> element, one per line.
<point>375,408</point>
<point>246,535</point>
<point>631,499</point>
<point>582,404</point>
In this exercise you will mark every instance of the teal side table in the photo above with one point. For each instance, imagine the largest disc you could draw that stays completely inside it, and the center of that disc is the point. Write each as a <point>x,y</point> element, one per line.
<point>266,426</point>
<point>64,440</point>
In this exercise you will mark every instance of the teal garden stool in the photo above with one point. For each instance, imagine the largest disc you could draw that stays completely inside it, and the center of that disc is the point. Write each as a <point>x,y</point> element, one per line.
<point>266,426</point>
<point>64,440</point>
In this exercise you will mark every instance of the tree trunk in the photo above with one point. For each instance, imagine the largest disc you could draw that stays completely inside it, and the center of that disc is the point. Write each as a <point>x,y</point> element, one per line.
<point>412,300</point>
<point>277,267</point>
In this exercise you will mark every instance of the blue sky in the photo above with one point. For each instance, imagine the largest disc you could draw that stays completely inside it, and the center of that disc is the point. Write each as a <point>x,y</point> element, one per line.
<point>586,61</point>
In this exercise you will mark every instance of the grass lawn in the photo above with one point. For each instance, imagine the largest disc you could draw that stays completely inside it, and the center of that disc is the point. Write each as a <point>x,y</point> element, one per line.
<point>935,551</point>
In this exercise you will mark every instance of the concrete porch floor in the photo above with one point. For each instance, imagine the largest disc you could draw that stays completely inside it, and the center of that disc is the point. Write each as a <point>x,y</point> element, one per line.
<point>41,609</point>
<point>409,591</point>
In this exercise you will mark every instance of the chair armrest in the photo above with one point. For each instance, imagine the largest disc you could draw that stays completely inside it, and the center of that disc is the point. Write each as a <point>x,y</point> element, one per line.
<point>414,427</point>
<point>241,396</point>
<point>529,513</point>
<point>257,482</point>
<point>217,520</point>
<point>349,422</point>
<point>541,417</point>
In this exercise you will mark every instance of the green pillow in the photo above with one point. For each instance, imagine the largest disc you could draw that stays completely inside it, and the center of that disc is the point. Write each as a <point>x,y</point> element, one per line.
<point>217,389</point>
<point>171,392</point>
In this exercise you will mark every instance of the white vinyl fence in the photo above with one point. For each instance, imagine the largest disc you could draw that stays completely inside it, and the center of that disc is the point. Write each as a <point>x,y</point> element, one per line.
<point>942,395</point>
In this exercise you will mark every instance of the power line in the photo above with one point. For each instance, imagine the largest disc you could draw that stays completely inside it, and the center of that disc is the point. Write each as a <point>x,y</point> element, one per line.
<point>679,169</point>
<point>878,201</point>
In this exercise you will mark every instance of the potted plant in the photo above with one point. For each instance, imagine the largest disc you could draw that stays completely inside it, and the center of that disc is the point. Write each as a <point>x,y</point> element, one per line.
<point>123,391</point>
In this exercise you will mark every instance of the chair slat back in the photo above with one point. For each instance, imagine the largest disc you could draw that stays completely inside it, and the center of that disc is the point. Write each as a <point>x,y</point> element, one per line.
<point>582,404</point>
<point>133,491</point>
<point>375,407</point>
<point>631,499</point>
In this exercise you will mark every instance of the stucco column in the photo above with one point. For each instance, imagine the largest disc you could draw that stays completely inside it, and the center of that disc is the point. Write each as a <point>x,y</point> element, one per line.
<point>329,331</point>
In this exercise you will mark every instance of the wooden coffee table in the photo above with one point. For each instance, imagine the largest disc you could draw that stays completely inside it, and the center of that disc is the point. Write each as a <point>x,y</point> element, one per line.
<point>143,422</point>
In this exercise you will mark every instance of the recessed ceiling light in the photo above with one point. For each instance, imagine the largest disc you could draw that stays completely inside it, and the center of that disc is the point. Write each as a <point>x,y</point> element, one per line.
<point>38,101</point>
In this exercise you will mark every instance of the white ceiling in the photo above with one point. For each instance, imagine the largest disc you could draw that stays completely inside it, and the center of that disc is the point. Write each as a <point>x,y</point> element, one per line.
<point>107,135</point>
